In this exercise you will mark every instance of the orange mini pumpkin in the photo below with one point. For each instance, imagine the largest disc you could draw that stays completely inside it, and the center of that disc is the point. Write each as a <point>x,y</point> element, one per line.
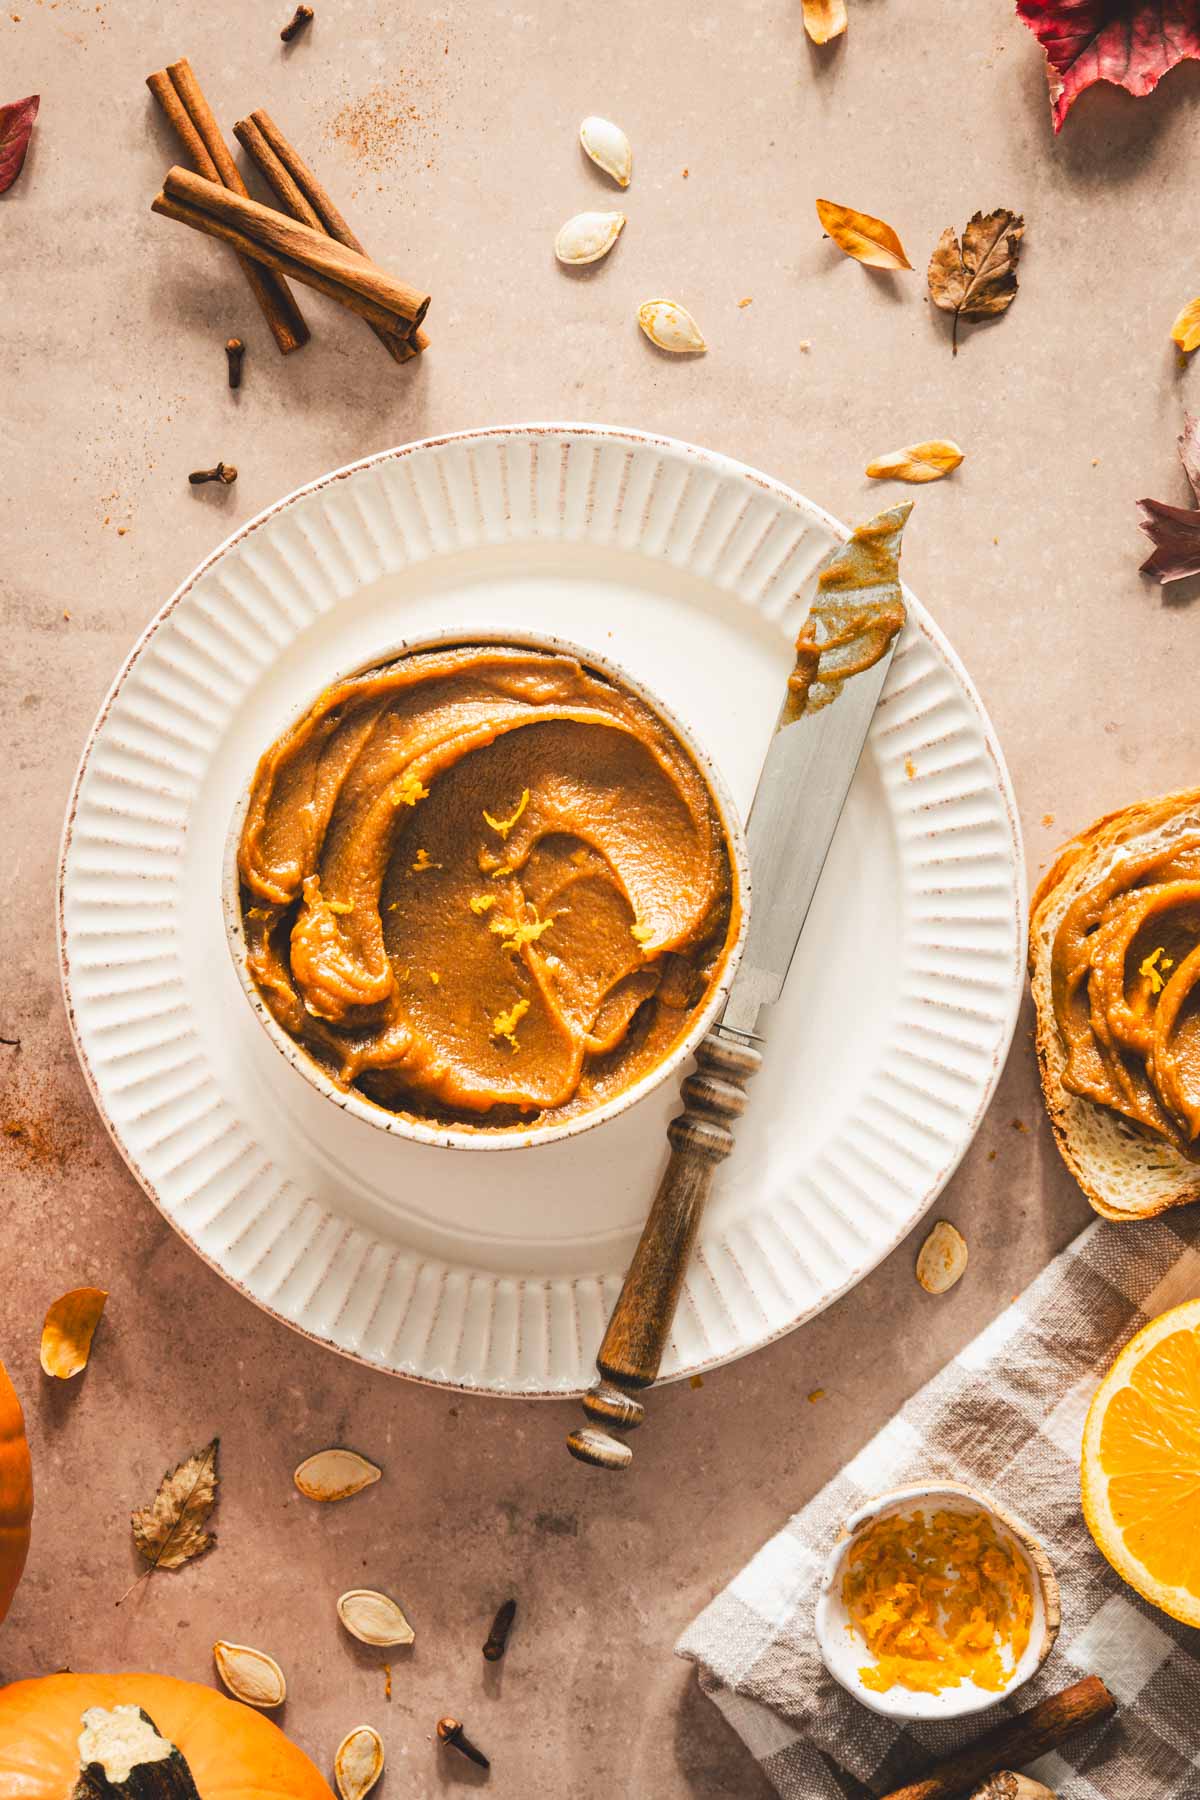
<point>16,1491</point>
<point>231,1751</point>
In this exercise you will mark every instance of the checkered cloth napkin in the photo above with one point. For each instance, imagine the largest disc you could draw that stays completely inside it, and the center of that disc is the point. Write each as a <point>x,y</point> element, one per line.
<point>1007,1416</point>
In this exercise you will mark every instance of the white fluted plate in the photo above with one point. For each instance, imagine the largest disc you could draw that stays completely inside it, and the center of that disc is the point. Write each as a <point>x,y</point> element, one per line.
<point>496,1273</point>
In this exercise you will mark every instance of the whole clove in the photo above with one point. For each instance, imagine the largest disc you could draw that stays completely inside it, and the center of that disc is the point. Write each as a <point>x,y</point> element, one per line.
<point>450,1731</point>
<point>223,472</point>
<point>497,1641</point>
<point>300,19</point>
<point>235,350</point>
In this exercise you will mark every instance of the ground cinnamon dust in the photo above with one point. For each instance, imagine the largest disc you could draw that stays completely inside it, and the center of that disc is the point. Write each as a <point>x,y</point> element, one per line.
<point>386,124</point>
<point>938,1603</point>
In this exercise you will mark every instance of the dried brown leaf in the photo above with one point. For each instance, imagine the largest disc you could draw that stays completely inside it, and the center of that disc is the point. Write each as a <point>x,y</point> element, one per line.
<point>1175,530</point>
<point>68,1331</point>
<point>824,19</point>
<point>172,1529</point>
<point>867,239</point>
<point>917,462</point>
<point>977,279</point>
<point>16,129</point>
<point>1188,444</point>
<point>1186,329</point>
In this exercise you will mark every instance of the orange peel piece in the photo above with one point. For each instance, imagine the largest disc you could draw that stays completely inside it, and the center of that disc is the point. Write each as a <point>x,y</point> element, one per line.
<point>69,1328</point>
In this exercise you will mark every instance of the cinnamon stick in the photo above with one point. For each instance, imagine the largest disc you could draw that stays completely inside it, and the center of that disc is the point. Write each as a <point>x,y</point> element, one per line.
<point>181,99</point>
<point>1017,1741</point>
<point>282,166</point>
<point>298,251</point>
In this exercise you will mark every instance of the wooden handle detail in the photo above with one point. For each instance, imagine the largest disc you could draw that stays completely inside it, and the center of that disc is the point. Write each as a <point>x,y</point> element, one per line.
<point>701,1136</point>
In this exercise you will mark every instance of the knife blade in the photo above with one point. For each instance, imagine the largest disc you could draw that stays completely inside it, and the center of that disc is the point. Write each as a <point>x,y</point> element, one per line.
<point>843,654</point>
<point>814,752</point>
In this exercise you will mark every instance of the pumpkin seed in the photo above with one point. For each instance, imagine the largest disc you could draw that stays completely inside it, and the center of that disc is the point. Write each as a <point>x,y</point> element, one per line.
<point>373,1618</point>
<point>588,236</point>
<point>335,1475</point>
<point>608,148</point>
<point>670,326</point>
<point>250,1675</point>
<point>358,1762</point>
<point>942,1258</point>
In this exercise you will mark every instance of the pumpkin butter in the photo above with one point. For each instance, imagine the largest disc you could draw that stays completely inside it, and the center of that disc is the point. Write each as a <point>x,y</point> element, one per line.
<point>1125,986</point>
<point>485,886</point>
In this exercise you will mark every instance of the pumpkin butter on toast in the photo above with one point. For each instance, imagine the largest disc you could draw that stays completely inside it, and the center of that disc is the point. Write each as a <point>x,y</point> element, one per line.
<point>1114,962</point>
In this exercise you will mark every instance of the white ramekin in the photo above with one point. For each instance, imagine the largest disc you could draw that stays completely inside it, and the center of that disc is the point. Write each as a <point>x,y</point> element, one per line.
<point>480,1138</point>
<point>843,1650</point>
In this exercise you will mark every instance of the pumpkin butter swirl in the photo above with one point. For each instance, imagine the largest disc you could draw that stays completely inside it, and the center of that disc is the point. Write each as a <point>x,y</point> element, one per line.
<point>484,883</point>
<point>1125,975</point>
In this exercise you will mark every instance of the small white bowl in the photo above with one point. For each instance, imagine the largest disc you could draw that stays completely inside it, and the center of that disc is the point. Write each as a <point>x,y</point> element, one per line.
<point>458,1137</point>
<point>844,1651</point>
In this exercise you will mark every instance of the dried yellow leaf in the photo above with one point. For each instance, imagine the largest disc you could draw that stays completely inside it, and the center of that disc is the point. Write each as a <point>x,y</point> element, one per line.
<point>67,1333</point>
<point>1186,329</point>
<point>917,462</point>
<point>171,1530</point>
<point>335,1475</point>
<point>867,239</point>
<point>824,19</point>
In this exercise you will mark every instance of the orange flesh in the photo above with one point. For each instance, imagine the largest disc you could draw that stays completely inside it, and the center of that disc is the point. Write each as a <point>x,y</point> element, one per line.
<point>938,1603</point>
<point>1150,1451</point>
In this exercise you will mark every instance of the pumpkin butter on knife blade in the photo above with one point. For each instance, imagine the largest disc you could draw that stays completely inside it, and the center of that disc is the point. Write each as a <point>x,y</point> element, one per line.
<point>484,885</point>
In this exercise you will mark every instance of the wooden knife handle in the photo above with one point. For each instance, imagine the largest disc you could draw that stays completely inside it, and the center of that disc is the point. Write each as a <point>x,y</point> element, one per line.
<point>701,1136</point>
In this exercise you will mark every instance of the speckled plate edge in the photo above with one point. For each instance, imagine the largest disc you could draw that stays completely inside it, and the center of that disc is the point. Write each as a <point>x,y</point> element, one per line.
<point>587,1318</point>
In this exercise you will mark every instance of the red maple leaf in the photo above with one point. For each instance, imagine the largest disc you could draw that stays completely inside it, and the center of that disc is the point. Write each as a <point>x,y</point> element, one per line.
<point>1131,43</point>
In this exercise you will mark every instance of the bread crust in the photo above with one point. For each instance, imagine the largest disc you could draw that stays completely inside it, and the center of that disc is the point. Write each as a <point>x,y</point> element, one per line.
<point>1125,1175</point>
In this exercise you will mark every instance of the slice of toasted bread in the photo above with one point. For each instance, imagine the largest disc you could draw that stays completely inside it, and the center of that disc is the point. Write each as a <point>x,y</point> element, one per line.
<point>1124,1174</point>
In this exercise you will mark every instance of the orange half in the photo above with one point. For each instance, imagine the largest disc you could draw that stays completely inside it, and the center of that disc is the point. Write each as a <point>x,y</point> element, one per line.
<point>1141,1463</point>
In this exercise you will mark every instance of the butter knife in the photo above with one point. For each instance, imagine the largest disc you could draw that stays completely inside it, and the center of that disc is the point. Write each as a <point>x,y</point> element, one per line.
<point>843,654</point>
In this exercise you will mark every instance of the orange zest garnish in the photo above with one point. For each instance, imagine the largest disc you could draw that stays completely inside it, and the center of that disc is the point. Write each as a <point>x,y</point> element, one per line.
<point>517,933</point>
<point>423,862</point>
<point>1153,968</point>
<point>504,1025</point>
<point>408,790</point>
<point>504,826</point>
<point>938,1602</point>
<point>479,903</point>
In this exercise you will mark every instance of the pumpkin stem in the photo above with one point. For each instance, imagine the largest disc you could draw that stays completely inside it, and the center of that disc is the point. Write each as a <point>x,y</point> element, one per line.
<point>124,1756</point>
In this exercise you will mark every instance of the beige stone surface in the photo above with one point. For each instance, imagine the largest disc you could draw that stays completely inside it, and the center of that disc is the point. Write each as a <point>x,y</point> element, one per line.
<point>448,133</point>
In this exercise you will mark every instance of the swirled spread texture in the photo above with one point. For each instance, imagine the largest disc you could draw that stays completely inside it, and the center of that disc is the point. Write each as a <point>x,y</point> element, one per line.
<point>1125,982</point>
<point>486,886</point>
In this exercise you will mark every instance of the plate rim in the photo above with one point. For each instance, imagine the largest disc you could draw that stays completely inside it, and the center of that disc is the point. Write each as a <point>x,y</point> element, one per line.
<point>723,464</point>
